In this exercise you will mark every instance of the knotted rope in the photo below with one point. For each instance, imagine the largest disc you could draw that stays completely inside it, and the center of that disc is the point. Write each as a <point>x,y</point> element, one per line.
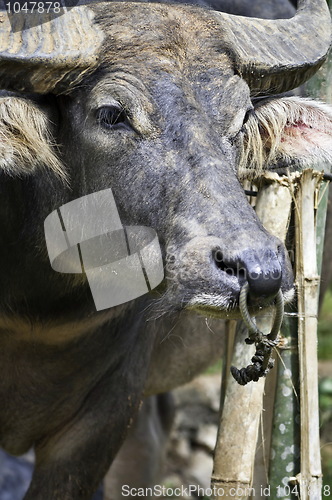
<point>261,361</point>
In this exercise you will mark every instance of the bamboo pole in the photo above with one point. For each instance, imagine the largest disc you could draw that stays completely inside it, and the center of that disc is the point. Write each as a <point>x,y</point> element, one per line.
<point>234,455</point>
<point>295,441</point>
<point>230,332</point>
<point>285,439</point>
<point>238,429</point>
<point>277,197</point>
<point>296,447</point>
<point>284,456</point>
<point>307,282</point>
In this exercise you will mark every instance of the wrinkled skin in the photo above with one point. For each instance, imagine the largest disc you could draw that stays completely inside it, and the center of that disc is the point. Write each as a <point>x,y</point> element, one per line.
<point>172,165</point>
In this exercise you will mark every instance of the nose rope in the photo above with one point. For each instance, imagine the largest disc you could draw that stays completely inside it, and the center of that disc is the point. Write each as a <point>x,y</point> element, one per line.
<point>261,361</point>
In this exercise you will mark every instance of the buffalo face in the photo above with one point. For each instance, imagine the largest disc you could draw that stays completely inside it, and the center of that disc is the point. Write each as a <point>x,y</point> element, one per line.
<point>168,137</point>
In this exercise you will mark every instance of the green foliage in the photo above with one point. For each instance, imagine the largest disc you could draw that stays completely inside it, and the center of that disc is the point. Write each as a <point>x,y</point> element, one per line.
<point>325,329</point>
<point>325,388</point>
<point>216,368</point>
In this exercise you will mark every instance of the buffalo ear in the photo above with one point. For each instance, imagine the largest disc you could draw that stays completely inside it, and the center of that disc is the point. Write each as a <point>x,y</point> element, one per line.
<point>26,141</point>
<point>290,133</point>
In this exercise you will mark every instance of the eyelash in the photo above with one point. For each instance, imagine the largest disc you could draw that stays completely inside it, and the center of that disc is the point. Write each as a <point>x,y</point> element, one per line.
<point>112,117</point>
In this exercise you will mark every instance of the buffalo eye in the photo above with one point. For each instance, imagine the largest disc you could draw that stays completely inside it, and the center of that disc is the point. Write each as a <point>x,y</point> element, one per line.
<point>112,117</point>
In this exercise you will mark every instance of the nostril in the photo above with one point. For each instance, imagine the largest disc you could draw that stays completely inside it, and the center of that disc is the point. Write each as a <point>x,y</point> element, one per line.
<point>218,258</point>
<point>232,269</point>
<point>241,274</point>
<point>262,270</point>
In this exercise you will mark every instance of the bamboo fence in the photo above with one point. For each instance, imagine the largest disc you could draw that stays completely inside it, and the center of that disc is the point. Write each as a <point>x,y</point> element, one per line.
<point>286,463</point>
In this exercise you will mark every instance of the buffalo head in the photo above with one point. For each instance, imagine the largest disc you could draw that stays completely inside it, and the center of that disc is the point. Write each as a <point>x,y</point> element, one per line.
<point>158,102</point>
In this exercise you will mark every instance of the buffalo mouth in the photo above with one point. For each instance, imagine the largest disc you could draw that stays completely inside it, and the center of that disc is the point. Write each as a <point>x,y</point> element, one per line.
<point>219,306</point>
<point>174,297</point>
<point>202,278</point>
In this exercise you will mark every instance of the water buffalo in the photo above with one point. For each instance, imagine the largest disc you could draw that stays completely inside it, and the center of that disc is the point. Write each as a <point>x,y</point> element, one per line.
<point>170,106</point>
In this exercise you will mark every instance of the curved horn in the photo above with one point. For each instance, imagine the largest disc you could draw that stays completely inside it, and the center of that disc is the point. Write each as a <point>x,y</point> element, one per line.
<point>271,55</point>
<point>47,53</point>
<point>274,56</point>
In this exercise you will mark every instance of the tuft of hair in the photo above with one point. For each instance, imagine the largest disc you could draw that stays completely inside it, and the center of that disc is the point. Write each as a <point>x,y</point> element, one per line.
<point>287,133</point>
<point>26,142</point>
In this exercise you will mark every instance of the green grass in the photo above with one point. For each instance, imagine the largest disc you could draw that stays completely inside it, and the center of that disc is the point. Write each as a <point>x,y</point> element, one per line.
<point>216,368</point>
